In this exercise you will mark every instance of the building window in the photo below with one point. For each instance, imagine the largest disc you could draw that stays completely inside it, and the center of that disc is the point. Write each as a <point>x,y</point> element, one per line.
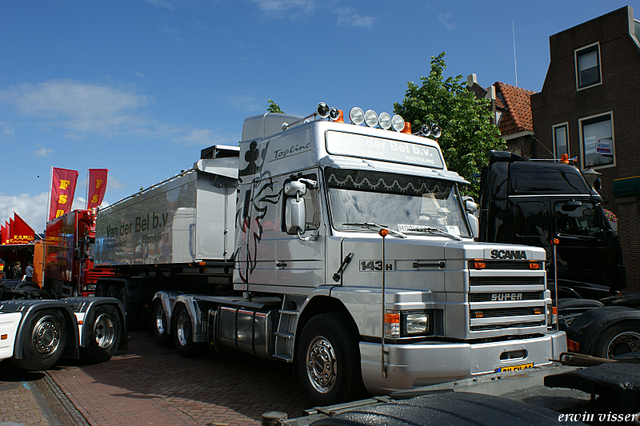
<point>588,66</point>
<point>560,140</point>
<point>598,143</point>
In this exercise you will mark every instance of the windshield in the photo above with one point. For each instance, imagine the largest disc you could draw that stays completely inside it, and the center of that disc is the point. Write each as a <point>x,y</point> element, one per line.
<point>402,203</point>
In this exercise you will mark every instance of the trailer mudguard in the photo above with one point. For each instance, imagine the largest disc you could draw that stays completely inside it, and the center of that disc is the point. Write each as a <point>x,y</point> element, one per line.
<point>586,328</point>
<point>82,307</point>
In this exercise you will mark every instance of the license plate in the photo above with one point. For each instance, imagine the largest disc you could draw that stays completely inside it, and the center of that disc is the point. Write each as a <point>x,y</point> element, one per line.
<point>514,367</point>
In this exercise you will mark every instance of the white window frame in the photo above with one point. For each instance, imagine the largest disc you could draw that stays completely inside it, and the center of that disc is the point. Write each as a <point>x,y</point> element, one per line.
<point>555,143</point>
<point>583,157</point>
<point>577,53</point>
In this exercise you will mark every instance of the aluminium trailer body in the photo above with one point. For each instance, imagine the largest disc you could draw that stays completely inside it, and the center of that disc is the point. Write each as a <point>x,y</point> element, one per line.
<point>176,235</point>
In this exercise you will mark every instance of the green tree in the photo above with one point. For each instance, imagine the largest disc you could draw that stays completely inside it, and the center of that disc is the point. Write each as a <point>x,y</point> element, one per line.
<point>468,133</point>
<point>274,107</point>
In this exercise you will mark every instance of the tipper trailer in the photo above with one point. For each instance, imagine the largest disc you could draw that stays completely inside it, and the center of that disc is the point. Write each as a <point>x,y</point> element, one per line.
<point>344,249</point>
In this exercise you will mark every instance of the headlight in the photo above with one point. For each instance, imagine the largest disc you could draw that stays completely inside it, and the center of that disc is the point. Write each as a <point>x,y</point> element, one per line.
<point>385,120</point>
<point>371,118</point>
<point>356,115</point>
<point>416,323</point>
<point>399,324</point>
<point>397,122</point>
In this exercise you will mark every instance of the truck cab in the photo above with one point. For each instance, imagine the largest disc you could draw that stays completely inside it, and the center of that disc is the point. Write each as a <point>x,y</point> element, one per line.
<point>362,233</point>
<point>534,202</point>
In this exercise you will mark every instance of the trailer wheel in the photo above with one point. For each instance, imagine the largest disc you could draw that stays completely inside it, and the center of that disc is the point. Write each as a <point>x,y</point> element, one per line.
<point>328,360</point>
<point>618,339</point>
<point>182,332</point>
<point>158,327</point>
<point>46,339</point>
<point>105,334</point>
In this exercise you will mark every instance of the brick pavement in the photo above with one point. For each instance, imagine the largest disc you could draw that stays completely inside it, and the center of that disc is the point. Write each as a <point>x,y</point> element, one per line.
<point>152,385</point>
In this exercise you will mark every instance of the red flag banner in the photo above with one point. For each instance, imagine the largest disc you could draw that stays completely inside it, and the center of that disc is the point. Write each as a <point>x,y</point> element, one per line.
<point>3,234</point>
<point>21,232</point>
<point>63,188</point>
<point>97,186</point>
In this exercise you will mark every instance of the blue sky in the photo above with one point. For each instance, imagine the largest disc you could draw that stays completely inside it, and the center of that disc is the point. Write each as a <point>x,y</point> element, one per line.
<point>141,86</point>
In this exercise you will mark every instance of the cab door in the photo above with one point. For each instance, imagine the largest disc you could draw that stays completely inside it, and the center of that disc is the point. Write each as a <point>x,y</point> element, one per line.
<point>300,258</point>
<point>584,253</point>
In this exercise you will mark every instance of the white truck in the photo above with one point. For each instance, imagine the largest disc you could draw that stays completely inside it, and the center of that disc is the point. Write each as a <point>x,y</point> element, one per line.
<point>36,333</point>
<point>344,249</point>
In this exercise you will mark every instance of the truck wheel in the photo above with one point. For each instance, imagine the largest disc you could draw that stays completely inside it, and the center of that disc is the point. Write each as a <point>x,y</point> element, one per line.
<point>328,360</point>
<point>101,290</point>
<point>182,332</point>
<point>158,327</point>
<point>618,339</point>
<point>105,334</point>
<point>46,339</point>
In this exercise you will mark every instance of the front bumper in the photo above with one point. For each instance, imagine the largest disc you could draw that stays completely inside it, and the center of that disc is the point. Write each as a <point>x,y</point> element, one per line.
<point>413,365</point>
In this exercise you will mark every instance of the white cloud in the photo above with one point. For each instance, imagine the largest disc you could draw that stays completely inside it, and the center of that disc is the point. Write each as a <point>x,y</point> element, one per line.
<point>207,137</point>
<point>34,209</point>
<point>348,18</point>
<point>7,132</point>
<point>42,152</point>
<point>285,5</point>
<point>444,19</point>
<point>80,107</point>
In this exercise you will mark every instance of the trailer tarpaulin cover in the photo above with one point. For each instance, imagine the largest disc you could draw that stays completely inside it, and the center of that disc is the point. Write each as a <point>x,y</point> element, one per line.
<point>63,188</point>
<point>97,187</point>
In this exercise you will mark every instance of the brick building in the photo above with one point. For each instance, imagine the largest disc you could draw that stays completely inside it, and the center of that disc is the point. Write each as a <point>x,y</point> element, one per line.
<point>589,108</point>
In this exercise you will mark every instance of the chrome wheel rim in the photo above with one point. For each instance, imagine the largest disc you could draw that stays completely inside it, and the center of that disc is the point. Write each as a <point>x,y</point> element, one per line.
<point>46,336</point>
<point>322,365</point>
<point>159,319</point>
<point>104,331</point>
<point>183,328</point>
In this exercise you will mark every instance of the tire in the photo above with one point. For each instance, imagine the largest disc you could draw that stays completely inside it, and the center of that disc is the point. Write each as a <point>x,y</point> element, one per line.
<point>104,335</point>
<point>617,339</point>
<point>182,330</point>
<point>45,341</point>
<point>158,326</point>
<point>328,360</point>
<point>101,290</point>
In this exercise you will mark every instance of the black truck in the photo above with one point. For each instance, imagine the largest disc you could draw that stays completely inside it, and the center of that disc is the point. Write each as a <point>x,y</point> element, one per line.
<point>549,203</point>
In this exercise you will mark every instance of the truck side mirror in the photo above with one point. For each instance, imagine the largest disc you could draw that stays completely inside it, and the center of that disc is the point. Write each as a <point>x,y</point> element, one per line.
<point>470,206</point>
<point>295,188</point>
<point>294,215</point>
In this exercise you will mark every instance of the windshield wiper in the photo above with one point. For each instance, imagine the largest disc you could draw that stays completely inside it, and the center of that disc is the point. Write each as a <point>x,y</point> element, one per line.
<point>433,231</point>
<point>375,227</point>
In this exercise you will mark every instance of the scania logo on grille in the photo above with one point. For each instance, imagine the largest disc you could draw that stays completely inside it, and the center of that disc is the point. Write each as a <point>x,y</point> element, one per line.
<point>509,254</point>
<point>501,297</point>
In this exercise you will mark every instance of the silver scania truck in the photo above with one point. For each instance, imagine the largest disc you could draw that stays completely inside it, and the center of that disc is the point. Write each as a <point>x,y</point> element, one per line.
<point>342,248</point>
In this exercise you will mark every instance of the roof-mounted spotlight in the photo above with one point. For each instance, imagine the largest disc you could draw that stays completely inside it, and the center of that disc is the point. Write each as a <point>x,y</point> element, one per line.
<point>371,118</point>
<point>385,120</point>
<point>334,114</point>
<point>425,130</point>
<point>397,122</point>
<point>356,115</point>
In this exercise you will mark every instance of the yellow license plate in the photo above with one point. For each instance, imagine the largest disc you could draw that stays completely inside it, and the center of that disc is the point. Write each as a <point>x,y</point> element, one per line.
<point>514,367</point>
